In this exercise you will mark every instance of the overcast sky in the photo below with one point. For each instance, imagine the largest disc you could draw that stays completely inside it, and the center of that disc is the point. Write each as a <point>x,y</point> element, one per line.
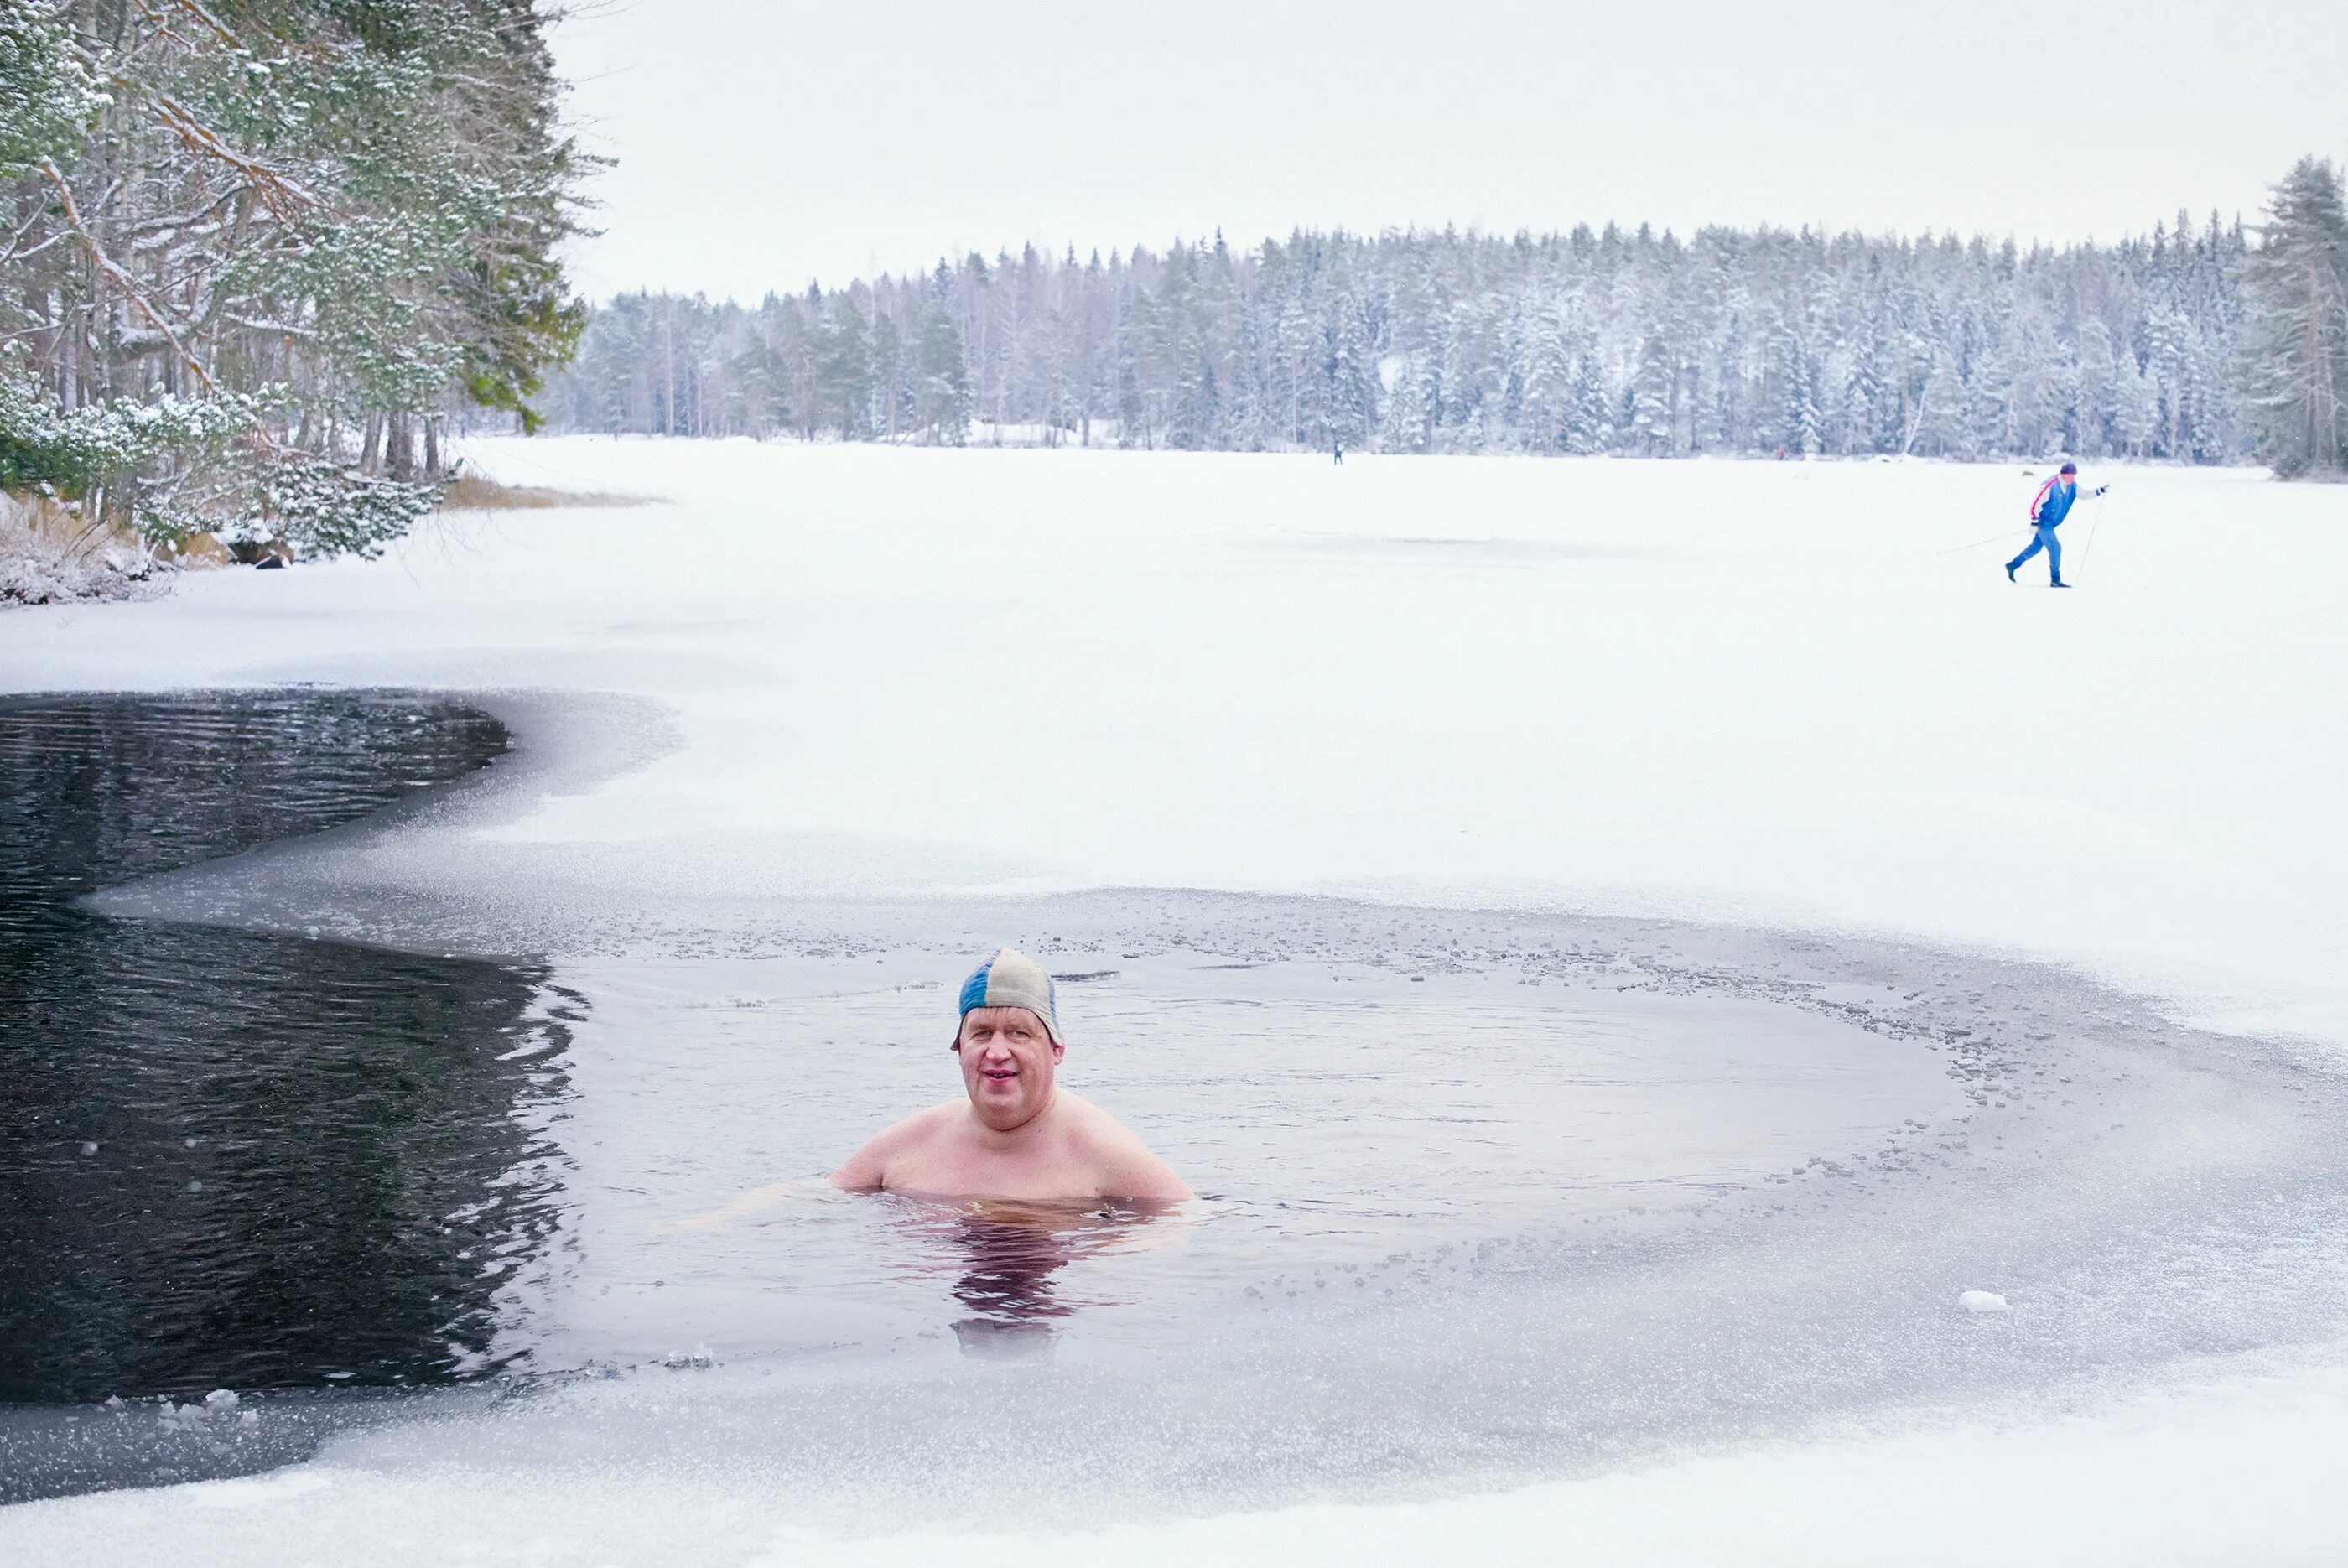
<point>761,143</point>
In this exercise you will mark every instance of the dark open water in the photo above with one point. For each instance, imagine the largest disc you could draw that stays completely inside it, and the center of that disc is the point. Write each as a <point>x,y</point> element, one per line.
<point>236,1161</point>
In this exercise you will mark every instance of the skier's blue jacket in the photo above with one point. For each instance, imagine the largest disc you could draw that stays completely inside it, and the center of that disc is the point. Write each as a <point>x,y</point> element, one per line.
<point>2053,503</point>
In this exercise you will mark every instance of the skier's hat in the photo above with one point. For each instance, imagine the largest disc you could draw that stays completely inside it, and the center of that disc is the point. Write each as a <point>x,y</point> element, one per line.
<point>1012,979</point>
<point>2070,467</point>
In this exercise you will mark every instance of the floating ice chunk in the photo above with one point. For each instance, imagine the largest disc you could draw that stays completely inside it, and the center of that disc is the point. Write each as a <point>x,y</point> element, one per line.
<point>219,1402</point>
<point>1983,1301</point>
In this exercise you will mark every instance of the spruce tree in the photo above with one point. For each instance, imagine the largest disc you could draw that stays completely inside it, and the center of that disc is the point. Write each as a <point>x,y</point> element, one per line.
<point>844,375</point>
<point>941,389</point>
<point>1353,374</point>
<point>2296,360</point>
<point>1647,408</point>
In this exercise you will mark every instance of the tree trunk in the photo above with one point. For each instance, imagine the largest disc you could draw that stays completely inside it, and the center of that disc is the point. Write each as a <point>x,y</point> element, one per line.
<point>399,446</point>
<point>668,345</point>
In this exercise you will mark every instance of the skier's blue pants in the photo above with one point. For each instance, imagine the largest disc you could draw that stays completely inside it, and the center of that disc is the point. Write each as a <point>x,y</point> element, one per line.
<point>2044,539</point>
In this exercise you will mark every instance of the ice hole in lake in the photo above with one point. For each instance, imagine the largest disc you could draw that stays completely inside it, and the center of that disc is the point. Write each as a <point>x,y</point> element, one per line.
<point>1347,1127</point>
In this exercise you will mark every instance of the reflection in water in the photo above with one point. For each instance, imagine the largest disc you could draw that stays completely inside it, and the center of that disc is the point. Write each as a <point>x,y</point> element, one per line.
<point>229,1160</point>
<point>1007,1257</point>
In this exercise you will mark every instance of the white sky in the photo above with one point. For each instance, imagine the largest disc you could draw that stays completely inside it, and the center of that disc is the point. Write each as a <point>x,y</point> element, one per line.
<point>762,143</point>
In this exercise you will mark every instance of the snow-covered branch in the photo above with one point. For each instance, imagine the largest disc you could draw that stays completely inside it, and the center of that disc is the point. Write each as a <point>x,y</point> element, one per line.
<point>122,279</point>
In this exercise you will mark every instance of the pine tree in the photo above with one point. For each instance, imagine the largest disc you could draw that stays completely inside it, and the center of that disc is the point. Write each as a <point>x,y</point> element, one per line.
<point>1588,430</point>
<point>844,373</point>
<point>1353,374</point>
<point>2137,420</point>
<point>2296,364</point>
<point>1545,372</point>
<point>1648,408</point>
<point>307,219</point>
<point>942,400</point>
<point>1940,427</point>
<point>891,407</point>
<point>2095,403</point>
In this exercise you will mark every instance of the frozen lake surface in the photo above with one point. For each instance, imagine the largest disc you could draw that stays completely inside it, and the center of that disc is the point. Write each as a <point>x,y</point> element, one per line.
<point>1389,840</point>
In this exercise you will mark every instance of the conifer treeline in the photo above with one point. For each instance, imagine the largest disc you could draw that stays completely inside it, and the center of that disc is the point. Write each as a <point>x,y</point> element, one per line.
<point>1733,342</point>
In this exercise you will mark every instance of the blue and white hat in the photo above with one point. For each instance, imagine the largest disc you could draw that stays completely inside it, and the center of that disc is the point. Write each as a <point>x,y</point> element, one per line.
<point>1012,979</point>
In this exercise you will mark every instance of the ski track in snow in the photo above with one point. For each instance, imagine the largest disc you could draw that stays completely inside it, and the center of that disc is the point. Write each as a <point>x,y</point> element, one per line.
<point>836,700</point>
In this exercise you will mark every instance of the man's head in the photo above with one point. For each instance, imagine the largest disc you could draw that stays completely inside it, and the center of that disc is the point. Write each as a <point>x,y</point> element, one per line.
<point>2070,474</point>
<point>1009,1041</point>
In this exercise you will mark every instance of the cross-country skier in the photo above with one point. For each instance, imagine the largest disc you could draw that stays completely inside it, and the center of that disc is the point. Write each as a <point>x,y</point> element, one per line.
<point>2047,509</point>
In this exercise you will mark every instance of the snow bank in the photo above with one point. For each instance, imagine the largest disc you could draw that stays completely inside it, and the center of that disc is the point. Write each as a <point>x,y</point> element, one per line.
<point>2245,1472</point>
<point>37,567</point>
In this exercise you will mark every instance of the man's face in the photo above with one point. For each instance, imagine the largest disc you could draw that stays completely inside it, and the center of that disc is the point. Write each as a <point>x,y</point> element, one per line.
<point>1007,1061</point>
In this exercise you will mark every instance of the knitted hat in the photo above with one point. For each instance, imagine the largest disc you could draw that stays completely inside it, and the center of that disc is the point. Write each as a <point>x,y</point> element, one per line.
<point>1012,979</point>
<point>2070,467</point>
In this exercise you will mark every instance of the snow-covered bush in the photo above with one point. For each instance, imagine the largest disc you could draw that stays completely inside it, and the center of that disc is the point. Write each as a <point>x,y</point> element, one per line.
<point>329,510</point>
<point>176,466</point>
<point>48,557</point>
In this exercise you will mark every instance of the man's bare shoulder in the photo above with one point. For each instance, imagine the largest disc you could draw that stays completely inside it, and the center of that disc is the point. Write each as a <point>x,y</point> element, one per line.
<point>1126,1167</point>
<point>869,1166</point>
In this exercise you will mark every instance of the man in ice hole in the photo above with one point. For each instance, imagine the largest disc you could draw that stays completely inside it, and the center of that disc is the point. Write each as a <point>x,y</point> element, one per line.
<point>1015,1134</point>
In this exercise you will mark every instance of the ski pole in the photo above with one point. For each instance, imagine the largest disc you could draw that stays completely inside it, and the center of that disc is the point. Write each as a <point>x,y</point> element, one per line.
<point>1977,543</point>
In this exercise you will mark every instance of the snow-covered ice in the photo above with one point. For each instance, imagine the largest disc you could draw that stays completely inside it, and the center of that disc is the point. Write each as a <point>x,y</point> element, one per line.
<point>875,680</point>
<point>1749,690</point>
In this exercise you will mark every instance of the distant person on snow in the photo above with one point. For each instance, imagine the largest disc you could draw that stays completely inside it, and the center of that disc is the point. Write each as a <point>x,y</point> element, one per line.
<point>1337,450</point>
<point>2047,510</point>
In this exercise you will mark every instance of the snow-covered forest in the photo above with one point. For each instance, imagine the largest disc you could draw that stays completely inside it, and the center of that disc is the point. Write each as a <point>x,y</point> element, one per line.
<point>249,252</point>
<point>1730,342</point>
<point>257,259</point>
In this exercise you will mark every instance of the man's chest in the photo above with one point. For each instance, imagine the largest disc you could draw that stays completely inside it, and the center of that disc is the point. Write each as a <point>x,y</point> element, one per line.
<point>1042,1171</point>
